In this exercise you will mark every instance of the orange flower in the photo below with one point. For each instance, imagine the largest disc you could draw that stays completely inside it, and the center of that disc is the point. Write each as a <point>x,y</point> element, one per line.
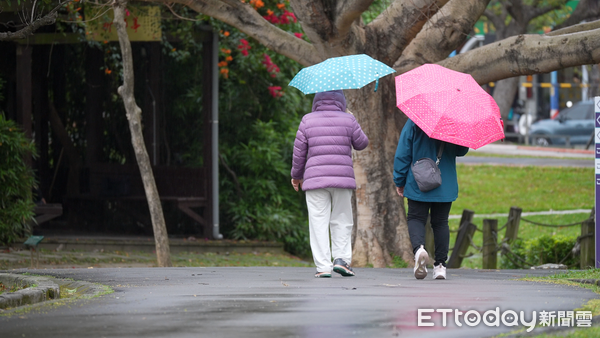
<point>222,64</point>
<point>270,12</point>
<point>226,33</point>
<point>105,41</point>
<point>225,72</point>
<point>281,6</point>
<point>229,58</point>
<point>107,71</point>
<point>174,49</point>
<point>257,4</point>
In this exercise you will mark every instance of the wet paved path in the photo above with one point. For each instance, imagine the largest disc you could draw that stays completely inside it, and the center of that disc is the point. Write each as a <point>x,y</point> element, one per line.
<point>286,302</point>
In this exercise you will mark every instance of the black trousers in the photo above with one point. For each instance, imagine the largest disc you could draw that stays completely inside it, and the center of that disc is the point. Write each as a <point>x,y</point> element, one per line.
<point>417,219</point>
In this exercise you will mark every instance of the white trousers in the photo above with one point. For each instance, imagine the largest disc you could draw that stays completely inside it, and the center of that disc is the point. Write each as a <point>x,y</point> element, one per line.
<point>330,209</point>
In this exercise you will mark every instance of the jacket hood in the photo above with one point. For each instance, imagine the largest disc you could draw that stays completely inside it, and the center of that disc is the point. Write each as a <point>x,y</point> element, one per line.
<point>333,100</point>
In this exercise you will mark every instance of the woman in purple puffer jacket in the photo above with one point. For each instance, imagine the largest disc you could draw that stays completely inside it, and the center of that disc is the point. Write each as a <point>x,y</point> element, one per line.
<point>322,167</point>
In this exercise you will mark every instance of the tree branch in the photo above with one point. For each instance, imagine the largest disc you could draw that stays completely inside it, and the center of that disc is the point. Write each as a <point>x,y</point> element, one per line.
<point>539,11</point>
<point>586,10</point>
<point>134,117</point>
<point>445,32</point>
<point>576,28</point>
<point>398,25</point>
<point>517,10</point>
<point>236,182</point>
<point>496,20</point>
<point>48,19</point>
<point>528,54</point>
<point>348,12</point>
<point>249,21</point>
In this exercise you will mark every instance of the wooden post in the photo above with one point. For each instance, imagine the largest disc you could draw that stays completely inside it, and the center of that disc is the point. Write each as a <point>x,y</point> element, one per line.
<point>512,227</point>
<point>429,240</point>
<point>588,247</point>
<point>466,218</point>
<point>490,242</point>
<point>461,246</point>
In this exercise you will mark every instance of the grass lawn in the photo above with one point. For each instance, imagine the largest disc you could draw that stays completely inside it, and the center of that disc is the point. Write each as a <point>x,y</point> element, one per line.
<point>593,305</point>
<point>488,189</point>
<point>85,259</point>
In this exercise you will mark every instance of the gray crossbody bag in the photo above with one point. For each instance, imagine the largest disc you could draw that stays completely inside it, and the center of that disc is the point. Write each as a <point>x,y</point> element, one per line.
<point>427,173</point>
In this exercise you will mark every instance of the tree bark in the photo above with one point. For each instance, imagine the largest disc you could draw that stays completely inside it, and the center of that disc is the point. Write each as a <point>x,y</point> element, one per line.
<point>586,10</point>
<point>381,228</point>
<point>504,95</point>
<point>528,54</point>
<point>521,14</point>
<point>447,30</point>
<point>35,24</point>
<point>134,116</point>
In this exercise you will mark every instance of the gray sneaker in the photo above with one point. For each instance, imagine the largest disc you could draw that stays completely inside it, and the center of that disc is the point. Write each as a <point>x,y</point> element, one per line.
<point>342,268</point>
<point>323,275</point>
<point>439,271</point>
<point>421,258</point>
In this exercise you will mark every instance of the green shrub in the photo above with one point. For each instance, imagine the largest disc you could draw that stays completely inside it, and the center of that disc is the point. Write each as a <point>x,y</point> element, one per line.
<point>541,250</point>
<point>265,207</point>
<point>16,182</point>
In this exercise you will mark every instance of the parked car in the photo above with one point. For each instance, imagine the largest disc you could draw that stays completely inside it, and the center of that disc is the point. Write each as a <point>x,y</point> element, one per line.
<point>576,122</point>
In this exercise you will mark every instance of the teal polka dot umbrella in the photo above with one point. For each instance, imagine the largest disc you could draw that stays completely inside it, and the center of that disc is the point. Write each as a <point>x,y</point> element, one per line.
<point>344,72</point>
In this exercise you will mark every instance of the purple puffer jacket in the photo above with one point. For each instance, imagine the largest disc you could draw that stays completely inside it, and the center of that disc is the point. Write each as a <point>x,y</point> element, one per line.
<point>323,145</point>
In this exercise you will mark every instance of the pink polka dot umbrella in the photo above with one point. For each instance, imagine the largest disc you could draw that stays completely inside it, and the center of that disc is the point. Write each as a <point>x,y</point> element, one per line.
<point>449,106</point>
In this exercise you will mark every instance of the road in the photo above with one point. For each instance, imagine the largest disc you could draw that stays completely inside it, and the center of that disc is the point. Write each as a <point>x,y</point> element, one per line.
<point>287,302</point>
<point>529,156</point>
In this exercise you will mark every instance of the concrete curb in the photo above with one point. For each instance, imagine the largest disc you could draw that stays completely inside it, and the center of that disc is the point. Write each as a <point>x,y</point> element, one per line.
<point>585,281</point>
<point>46,288</point>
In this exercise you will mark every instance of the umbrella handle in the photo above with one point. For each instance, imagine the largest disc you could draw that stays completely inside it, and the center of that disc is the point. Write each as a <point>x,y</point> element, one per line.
<point>376,83</point>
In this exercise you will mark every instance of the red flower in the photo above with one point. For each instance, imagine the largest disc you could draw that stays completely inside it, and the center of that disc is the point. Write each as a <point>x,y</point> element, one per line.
<point>244,47</point>
<point>272,18</point>
<point>285,15</point>
<point>275,91</point>
<point>298,35</point>
<point>271,67</point>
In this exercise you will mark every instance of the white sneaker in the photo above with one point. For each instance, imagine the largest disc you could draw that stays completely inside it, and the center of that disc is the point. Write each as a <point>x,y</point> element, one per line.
<point>421,258</point>
<point>439,272</point>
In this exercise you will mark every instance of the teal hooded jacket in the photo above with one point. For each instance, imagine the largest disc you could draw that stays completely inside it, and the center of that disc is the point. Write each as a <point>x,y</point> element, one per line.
<point>413,145</point>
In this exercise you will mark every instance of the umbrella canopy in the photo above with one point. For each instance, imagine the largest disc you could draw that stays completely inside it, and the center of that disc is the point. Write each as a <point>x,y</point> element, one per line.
<point>344,72</point>
<point>449,106</point>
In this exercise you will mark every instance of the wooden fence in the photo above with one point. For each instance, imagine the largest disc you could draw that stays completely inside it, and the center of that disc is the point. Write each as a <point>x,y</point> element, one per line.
<point>491,245</point>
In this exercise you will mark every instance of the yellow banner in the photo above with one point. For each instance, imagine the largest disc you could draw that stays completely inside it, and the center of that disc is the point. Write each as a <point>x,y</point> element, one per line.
<point>143,23</point>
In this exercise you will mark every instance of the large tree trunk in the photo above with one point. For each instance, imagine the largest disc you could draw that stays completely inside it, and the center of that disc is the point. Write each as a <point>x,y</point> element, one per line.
<point>381,228</point>
<point>504,95</point>
<point>134,116</point>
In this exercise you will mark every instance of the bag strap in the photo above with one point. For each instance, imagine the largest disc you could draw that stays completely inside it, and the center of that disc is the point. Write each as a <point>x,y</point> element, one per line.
<point>439,154</point>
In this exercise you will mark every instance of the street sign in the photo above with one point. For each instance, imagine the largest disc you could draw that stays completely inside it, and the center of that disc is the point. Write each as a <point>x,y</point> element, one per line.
<point>597,166</point>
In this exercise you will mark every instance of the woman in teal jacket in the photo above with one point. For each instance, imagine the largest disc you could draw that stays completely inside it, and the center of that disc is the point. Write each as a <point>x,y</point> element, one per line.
<point>413,145</point>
